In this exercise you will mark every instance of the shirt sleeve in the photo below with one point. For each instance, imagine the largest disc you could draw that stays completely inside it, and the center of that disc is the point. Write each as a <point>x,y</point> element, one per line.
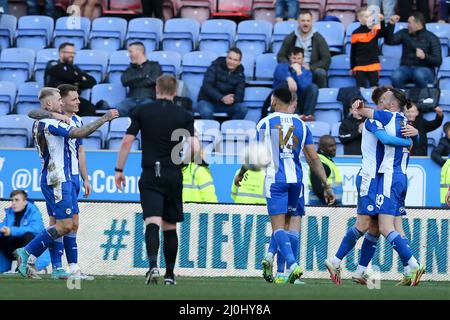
<point>373,125</point>
<point>260,131</point>
<point>135,126</point>
<point>61,130</point>
<point>309,137</point>
<point>382,116</point>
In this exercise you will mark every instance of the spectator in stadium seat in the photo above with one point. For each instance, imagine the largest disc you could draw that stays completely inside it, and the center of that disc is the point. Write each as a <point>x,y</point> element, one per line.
<point>140,77</point>
<point>23,221</point>
<point>86,7</point>
<point>388,7</point>
<point>444,9</point>
<point>150,7</point>
<point>292,7</point>
<point>64,71</point>
<point>223,87</point>
<point>416,119</point>
<point>4,8</point>
<point>421,52</point>
<point>350,133</point>
<point>405,9</point>
<point>33,7</point>
<point>317,53</point>
<point>443,149</point>
<point>298,79</point>
<point>326,152</point>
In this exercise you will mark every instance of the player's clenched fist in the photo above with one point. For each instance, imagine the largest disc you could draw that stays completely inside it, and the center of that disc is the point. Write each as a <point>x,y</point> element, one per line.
<point>111,114</point>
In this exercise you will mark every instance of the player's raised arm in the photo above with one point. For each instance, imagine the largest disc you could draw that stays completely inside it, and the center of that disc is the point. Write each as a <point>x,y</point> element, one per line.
<point>358,106</point>
<point>39,114</point>
<point>316,166</point>
<point>86,130</point>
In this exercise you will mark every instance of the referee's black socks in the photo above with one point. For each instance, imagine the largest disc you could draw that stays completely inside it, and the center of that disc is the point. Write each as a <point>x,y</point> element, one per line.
<point>152,244</point>
<point>170,251</point>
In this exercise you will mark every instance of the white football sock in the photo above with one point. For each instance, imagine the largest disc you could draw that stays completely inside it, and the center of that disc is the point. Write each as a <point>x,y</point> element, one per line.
<point>336,262</point>
<point>413,263</point>
<point>361,270</point>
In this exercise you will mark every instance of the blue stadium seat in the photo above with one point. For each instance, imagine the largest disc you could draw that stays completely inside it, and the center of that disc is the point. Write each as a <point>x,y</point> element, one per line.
<point>442,31</point>
<point>253,36</point>
<point>327,99</point>
<point>86,94</point>
<point>112,93</point>
<point>333,32</point>
<point>280,31</point>
<point>118,63</point>
<point>97,139</point>
<point>235,135</point>
<point>367,94</point>
<point>94,62</point>
<point>208,132</point>
<point>7,96</point>
<point>264,69</point>
<point>146,30</point>
<point>8,25</point>
<point>444,100</point>
<point>318,129</point>
<point>170,61</point>
<point>117,130</point>
<point>108,33</point>
<point>194,66</point>
<point>43,56</point>
<point>72,29</point>
<point>444,70</point>
<point>180,35</point>
<point>434,136</point>
<point>15,131</point>
<point>217,35</point>
<point>16,64</point>
<point>34,32</point>
<point>338,74</point>
<point>348,36</point>
<point>27,97</point>
<point>248,62</point>
<point>254,99</point>
<point>335,134</point>
<point>388,65</point>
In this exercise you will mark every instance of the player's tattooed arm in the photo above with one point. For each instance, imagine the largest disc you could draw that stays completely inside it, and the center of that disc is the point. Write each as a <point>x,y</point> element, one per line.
<point>88,129</point>
<point>40,114</point>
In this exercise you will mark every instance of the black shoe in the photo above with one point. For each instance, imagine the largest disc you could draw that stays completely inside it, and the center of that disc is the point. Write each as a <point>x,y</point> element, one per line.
<point>151,277</point>
<point>170,281</point>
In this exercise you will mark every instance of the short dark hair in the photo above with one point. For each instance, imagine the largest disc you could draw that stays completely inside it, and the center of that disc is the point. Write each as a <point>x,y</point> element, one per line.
<point>418,17</point>
<point>378,92</point>
<point>446,127</point>
<point>137,43</point>
<point>297,50</point>
<point>65,44</point>
<point>305,11</point>
<point>17,192</point>
<point>65,88</point>
<point>236,50</point>
<point>403,102</point>
<point>167,84</point>
<point>283,94</point>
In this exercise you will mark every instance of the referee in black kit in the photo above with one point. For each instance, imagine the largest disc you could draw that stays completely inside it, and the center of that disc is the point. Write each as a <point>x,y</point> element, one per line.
<point>161,183</point>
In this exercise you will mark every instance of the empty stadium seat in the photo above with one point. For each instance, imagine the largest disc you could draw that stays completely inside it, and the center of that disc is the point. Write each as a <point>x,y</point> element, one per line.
<point>94,62</point>
<point>442,31</point>
<point>217,35</point>
<point>146,30</point>
<point>117,130</point>
<point>388,65</point>
<point>27,97</point>
<point>208,132</point>
<point>280,31</point>
<point>199,10</point>
<point>248,62</point>
<point>121,7</point>
<point>118,63</point>
<point>264,69</point>
<point>253,36</point>
<point>108,33</point>
<point>335,134</point>
<point>318,129</point>
<point>43,56</point>
<point>338,74</point>
<point>7,96</point>
<point>232,8</point>
<point>444,69</point>
<point>433,138</point>
<point>34,32</point>
<point>8,25</point>
<point>390,51</point>
<point>263,10</point>
<point>194,66</point>
<point>97,139</point>
<point>16,64</point>
<point>15,131</point>
<point>235,135</point>
<point>254,99</point>
<point>328,109</point>
<point>367,94</point>
<point>333,32</point>
<point>180,35</point>
<point>112,93</point>
<point>170,61</point>
<point>72,29</point>
<point>444,100</point>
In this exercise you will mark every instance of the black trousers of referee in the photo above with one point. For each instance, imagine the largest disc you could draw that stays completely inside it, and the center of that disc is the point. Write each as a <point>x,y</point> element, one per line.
<point>150,7</point>
<point>9,244</point>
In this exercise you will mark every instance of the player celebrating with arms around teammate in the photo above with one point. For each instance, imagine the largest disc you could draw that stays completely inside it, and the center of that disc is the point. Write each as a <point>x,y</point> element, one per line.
<point>286,135</point>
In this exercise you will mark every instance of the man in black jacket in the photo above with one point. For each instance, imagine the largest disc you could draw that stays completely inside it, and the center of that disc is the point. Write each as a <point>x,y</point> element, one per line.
<point>421,52</point>
<point>350,133</point>
<point>443,149</point>
<point>64,71</point>
<point>223,87</point>
<point>141,77</point>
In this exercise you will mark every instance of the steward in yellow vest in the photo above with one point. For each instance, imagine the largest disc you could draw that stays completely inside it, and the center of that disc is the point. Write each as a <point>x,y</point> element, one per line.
<point>251,190</point>
<point>445,181</point>
<point>198,184</point>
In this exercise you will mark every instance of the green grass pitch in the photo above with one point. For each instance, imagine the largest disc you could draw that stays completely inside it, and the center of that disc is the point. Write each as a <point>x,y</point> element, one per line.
<point>133,287</point>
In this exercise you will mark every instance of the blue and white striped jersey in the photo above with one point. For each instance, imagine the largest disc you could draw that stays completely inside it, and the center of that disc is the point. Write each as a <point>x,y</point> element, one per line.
<point>74,145</point>
<point>285,134</point>
<point>371,154</point>
<point>52,142</point>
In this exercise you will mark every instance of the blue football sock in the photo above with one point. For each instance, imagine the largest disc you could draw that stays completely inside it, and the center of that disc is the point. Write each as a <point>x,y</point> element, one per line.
<point>71,247</point>
<point>369,246</point>
<point>349,241</point>
<point>399,245</point>
<point>294,238</point>
<point>280,262</point>
<point>56,251</point>
<point>42,241</point>
<point>406,240</point>
<point>284,245</point>
<point>273,245</point>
